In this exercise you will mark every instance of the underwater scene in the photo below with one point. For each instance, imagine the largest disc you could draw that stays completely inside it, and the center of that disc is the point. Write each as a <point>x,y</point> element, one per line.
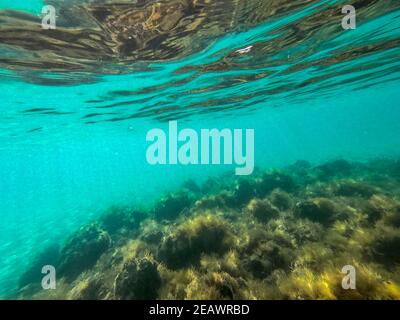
<point>199,149</point>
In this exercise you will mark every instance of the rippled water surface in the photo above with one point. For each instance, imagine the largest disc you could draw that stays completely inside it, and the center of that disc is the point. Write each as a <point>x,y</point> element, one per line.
<point>76,102</point>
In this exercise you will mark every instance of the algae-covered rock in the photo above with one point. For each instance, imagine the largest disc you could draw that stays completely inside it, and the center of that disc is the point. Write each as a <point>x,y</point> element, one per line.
<point>262,210</point>
<point>139,279</point>
<point>304,230</point>
<point>151,232</point>
<point>201,234</point>
<point>293,232</point>
<point>281,199</point>
<point>385,247</point>
<point>350,188</point>
<point>172,205</point>
<point>220,200</point>
<point>87,289</point>
<point>83,250</point>
<point>243,192</point>
<point>392,218</point>
<point>379,206</point>
<point>320,210</point>
<point>215,286</point>
<point>275,180</point>
<point>333,168</point>
<point>126,218</point>
<point>265,258</point>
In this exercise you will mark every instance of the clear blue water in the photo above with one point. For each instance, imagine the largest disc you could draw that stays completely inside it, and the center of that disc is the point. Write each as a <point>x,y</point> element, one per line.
<point>310,91</point>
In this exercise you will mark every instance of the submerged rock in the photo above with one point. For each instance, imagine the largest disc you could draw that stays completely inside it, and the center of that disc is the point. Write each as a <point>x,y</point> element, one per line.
<point>262,210</point>
<point>202,234</point>
<point>83,250</point>
<point>265,258</point>
<point>212,202</point>
<point>215,286</point>
<point>379,206</point>
<point>320,210</point>
<point>385,248</point>
<point>172,205</point>
<point>151,232</point>
<point>392,218</point>
<point>281,199</point>
<point>275,180</point>
<point>87,289</point>
<point>116,219</point>
<point>335,168</point>
<point>152,237</point>
<point>243,192</point>
<point>351,188</point>
<point>139,279</point>
<point>304,230</point>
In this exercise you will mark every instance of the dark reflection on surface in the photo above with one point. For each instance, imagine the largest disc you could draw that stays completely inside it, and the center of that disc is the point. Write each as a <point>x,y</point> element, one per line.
<point>102,33</point>
<point>301,48</point>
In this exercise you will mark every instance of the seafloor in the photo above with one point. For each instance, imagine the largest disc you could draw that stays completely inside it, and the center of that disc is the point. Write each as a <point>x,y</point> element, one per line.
<point>280,234</point>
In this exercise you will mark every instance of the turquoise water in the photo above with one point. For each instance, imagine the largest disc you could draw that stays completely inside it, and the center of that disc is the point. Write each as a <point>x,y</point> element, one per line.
<point>73,136</point>
<point>32,6</point>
